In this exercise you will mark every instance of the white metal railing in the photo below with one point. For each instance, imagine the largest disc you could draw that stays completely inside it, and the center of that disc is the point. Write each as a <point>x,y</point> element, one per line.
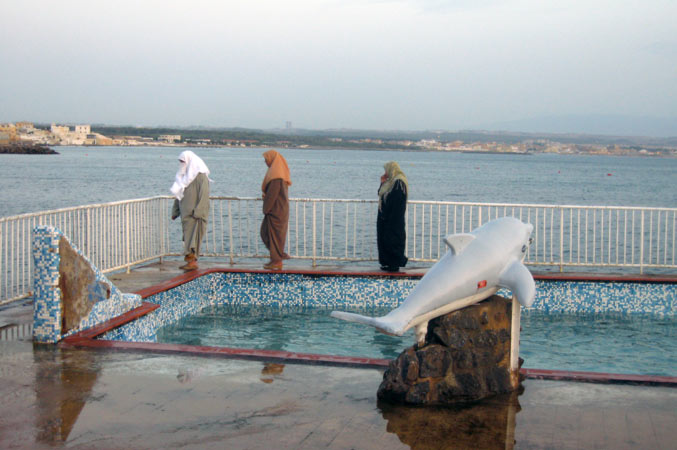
<point>121,234</point>
<point>112,235</point>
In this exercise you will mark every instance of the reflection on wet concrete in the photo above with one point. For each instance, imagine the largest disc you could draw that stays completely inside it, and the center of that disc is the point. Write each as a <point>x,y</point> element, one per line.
<point>186,375</point>
<point>55,397</point>
<point>270,370</point>
<point>63,384</point>
<point>15,332</point>
<point>489,424</point>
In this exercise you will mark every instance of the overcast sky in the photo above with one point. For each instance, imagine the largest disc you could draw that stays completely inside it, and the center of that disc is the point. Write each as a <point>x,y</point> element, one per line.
<point>378,64</point>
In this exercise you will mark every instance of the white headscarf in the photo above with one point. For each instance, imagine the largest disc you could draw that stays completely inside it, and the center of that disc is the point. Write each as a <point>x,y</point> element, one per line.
<point>190,166</point>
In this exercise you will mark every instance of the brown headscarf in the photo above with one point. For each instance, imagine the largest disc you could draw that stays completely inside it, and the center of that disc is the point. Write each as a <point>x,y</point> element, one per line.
<point>277,168</point>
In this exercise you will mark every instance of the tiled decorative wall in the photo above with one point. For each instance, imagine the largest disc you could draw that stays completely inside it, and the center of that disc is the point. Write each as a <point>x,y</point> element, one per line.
<point>47,296</point>
<point>278,290</point>
<point>46,292</point>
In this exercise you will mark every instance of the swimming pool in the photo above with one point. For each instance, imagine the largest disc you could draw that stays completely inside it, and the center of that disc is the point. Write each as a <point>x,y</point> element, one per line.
<point>623,327</point>
<point>605,342</point>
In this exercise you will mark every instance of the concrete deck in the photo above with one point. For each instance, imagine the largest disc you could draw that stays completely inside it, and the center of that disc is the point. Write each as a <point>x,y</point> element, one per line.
<point>83,398</point>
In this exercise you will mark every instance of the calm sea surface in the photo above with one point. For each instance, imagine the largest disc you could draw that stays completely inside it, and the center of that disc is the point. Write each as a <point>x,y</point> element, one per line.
<point>83,175</point>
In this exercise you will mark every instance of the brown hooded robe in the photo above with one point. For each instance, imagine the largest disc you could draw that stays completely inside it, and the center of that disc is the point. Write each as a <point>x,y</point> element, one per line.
<point>275,205</point>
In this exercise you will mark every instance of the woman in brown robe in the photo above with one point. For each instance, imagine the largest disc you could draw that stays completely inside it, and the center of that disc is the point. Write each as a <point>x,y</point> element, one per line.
<point>275,208</point>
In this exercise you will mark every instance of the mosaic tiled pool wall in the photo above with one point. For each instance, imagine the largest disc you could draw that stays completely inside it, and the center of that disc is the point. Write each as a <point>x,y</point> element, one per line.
<point>279,290</point>
<point>276,290</point>
<point>107,300</point>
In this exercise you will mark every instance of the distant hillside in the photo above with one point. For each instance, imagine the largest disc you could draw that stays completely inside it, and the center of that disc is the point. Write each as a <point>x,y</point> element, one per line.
<point>608,125</point>
<point>485,136</point>
<point>341,137</point>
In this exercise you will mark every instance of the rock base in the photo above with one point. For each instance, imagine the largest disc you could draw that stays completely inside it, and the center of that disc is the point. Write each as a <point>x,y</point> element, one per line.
<point>27,149</point>
<point>465,358</point>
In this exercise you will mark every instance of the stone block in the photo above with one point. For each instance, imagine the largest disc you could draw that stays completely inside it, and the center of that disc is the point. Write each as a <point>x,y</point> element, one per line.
<point>465,358</point>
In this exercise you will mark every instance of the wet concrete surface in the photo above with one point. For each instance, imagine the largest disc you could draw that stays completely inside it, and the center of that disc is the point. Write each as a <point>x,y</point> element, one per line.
<point>107,399</point>
<point>82,398</point>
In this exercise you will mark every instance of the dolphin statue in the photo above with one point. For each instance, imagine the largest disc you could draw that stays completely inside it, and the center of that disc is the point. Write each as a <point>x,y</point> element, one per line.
<point>475,267</point>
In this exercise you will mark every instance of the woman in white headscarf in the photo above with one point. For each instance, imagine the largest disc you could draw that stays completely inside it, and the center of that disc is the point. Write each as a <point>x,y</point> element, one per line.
<point>191,192</point>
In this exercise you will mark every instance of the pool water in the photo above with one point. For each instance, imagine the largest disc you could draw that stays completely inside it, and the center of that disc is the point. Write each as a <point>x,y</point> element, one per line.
<point>302,330</point>
<point>642,344</point>
<point>613,342</point>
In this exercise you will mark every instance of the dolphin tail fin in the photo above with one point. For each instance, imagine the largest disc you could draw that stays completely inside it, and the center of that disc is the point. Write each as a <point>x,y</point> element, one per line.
<point>380,323</point>
<point>519,280</point>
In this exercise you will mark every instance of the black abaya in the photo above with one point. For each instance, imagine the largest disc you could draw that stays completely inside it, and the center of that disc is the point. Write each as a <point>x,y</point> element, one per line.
<point>390,232</point>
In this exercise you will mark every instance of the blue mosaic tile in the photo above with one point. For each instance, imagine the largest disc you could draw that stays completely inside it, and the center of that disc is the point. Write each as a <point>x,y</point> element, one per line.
<point>46,292</point>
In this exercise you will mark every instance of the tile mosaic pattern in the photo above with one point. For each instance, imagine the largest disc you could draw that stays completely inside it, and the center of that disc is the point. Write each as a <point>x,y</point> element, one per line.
<point>597,297</point>
<point>280,290</point>
<point>46,292</point>
<point>47,295</point>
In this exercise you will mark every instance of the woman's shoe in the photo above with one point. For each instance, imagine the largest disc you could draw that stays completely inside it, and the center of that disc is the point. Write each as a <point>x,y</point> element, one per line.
<point>191,265</point>
<point>273,265</point>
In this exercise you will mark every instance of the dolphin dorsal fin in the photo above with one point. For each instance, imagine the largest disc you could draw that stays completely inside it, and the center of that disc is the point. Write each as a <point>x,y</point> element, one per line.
<point>457,242</point>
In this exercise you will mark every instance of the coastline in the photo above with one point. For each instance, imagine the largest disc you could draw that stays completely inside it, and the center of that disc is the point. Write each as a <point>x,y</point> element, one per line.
<point>384,149</point>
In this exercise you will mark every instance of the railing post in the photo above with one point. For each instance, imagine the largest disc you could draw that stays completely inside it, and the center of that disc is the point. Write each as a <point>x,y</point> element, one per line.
<point>641,244</point>
<point>160,213</point>
<point>3,272</point>
<point>127,237</point>
<point>514,334</point>
<point>314,236</point>
<point>230,230</point>
<point>87,250</point>
<point>561,239</point>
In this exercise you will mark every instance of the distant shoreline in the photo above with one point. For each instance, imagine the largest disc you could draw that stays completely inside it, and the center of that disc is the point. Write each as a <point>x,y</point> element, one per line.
<point>416,150</point>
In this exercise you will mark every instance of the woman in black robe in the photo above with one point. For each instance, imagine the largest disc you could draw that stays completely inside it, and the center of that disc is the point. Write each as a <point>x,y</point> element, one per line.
<point>392,205</point>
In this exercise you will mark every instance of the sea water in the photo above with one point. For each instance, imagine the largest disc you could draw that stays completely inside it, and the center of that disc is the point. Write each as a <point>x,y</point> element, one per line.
<point>85,175</point>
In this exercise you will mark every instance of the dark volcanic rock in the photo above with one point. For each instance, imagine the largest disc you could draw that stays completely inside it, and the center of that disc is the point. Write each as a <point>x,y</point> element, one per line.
<point>27,149</point>
<point>465,358</point>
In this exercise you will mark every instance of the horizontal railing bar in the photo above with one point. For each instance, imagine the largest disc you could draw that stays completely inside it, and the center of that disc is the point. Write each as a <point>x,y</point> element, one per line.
<point>336,200</point>
<point>81,207</point>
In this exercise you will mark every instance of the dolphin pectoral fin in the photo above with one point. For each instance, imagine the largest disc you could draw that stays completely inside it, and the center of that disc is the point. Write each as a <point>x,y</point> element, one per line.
<point>519,280</point>
<point>380,323</point>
